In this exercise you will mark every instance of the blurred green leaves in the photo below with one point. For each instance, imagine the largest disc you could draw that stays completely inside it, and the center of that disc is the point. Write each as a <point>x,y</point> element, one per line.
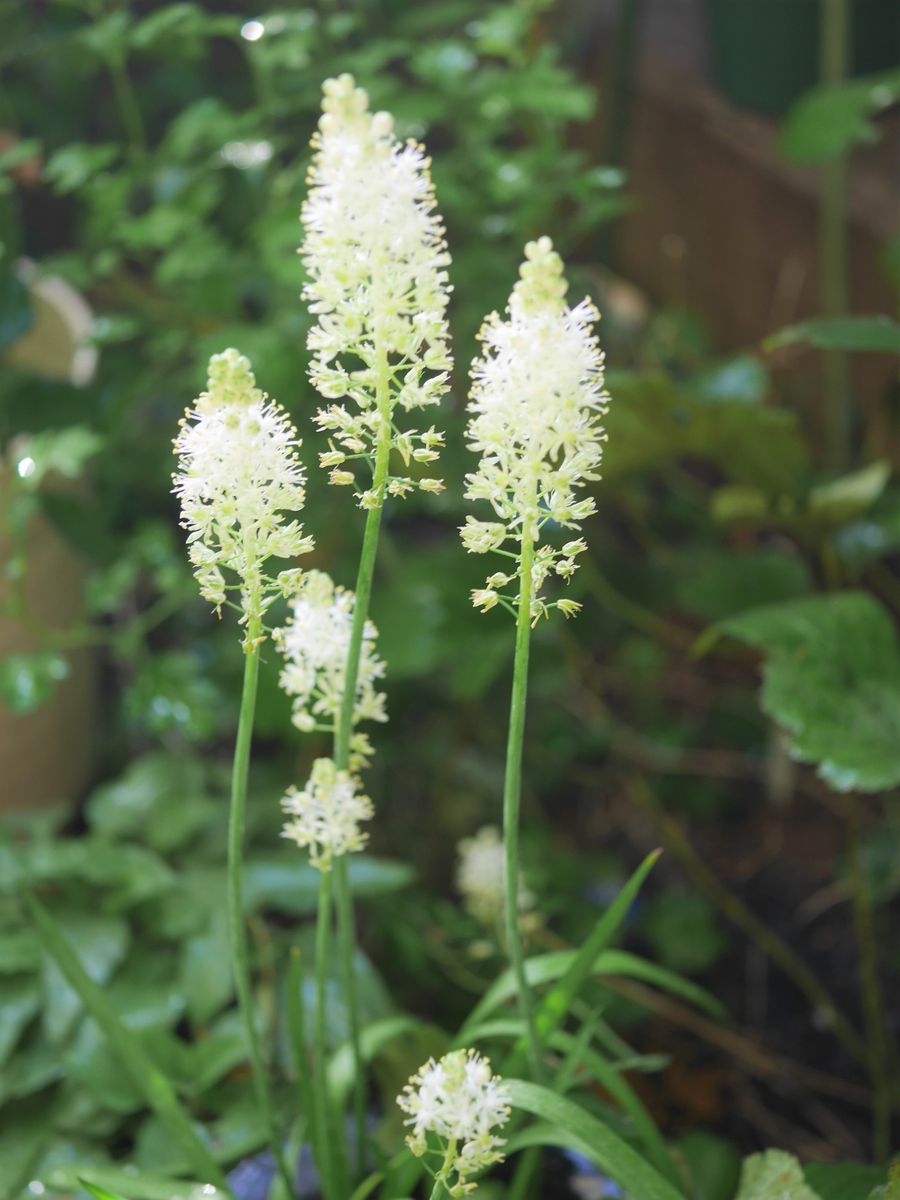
<point>832,679</point>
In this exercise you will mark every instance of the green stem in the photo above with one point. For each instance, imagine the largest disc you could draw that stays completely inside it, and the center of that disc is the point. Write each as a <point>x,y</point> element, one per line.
<point>512,793</point>
<point>344,730</point>
<point>326,1158</point>
<point>870,987</point>
<point>833,259</point>
<point>129,108</point>
<point>237,931</point>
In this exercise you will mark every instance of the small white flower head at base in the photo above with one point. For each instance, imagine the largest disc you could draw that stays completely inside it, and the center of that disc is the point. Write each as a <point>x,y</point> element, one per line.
<point>239,480</point>
<point>315,643</point>
<point>376,264</point>
<point>536,409</point>
<point>326,817</point>
<point>480,880</point>
<point>460,1101</point>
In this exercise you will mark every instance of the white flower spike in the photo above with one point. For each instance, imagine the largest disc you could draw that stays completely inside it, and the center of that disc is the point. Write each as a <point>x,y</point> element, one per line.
<point>315,643</point>
<point>326,816</point>
<point>376,260</point>
<point>458,1099</point>
<point>238,475</point>
<point>480,875</point>
<point>536,408</point>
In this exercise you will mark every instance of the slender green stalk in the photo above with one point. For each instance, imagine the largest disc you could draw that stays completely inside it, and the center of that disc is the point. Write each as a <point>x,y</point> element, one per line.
<point>512,793</point>
<point>129,109</point>
<point>150,1082</point>
<point>344,730</point>
<point>240,959</point>
<point>872,1000</point>
<point>326,1163</point>
<point>297,1026</point>
<point>438,1192</point>
<point>833,258</point>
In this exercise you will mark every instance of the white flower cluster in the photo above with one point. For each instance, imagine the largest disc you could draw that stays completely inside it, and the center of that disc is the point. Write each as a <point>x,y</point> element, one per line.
<point>536,404</point>
<point>458,1099</point>
<point>237,476</point>
<point>480,876</point>
<point>376,260</point>
<point>326,816</point>
<point>315,643</point>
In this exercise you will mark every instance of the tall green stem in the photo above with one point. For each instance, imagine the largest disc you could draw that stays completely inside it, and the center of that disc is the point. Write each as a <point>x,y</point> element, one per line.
<point>236,927</point>
<point>325,1133</point>
<point>512,793</point>
<point>344,730</point>
<point>833,263</point>
<point>879,1049</point>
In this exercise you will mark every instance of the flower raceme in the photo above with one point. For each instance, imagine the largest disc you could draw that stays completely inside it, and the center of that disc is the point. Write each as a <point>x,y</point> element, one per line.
<point>462,1102</point>
<point>376,259</point>
<point>237,477</point>
<point>480,877</point>
<point>536,408</point>
<point>326,816</point>
<point>315,643</point>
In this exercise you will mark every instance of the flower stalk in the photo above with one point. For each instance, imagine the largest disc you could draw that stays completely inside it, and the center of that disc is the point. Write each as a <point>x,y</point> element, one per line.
<point>237,931</point>
<point>512,797</point>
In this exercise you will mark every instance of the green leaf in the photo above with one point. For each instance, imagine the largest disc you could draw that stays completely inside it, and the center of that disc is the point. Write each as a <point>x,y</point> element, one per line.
<point>742,380</point>
<point>851,496</point>
<point>684,931</point>
<point>287,884</point>
<point>20,999</point>
<point>831,119</point>
<point>878,334</point>
<point>155,1088</point>
<point>102,943</point>
<point>715,585</point>
<point>844,1181</point>
<point>714,1165</point>
<point>99,1192</point>
<point>604,1148</point>
<point>70,167</point>
<point>136,1184</point>
<point>546,968</point>
<point>161,798</point>
<point>832,680</point>
<point>58,452</point>
<point>205,970</point>
<point>29,680</point>
<point>773,1175</point>
<point>654,422</point>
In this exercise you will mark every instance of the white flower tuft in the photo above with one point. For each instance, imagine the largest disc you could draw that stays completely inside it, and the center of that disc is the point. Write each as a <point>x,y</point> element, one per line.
<point>480,876</point>
<point>315,643</point>
<point>376,260</point>
<point>237,475</point>
<point>325,817</point>
<point>536,408</point>
<point>458,1099</point>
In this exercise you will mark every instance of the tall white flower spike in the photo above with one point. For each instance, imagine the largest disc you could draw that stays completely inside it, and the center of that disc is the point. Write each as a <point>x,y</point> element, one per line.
<point>459,1100</point>
<point>237,477</point>
<point>315,643</point>
<point>326,816</point>
<point>480,876</point>
<point>376,259</point>
<point>536,408</point>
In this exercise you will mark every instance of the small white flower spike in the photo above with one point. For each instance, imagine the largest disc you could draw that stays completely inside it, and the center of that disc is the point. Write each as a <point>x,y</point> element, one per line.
<point>326,816</point>
<point>376,259</point>
<point>459,1100</point>
<point>536,408</point>
<point>315,643</point>
<point>480,875</point>
<point>237,476</point>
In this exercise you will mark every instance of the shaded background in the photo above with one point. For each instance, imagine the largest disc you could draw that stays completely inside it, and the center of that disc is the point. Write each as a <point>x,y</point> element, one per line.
<point>152,161</point>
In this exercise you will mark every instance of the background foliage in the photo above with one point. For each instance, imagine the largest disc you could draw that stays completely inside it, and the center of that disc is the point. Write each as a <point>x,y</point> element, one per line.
<point>154,158</point>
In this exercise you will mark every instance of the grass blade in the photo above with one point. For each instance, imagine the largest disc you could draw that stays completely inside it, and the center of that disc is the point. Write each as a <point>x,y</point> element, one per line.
<point>604,1148</point>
